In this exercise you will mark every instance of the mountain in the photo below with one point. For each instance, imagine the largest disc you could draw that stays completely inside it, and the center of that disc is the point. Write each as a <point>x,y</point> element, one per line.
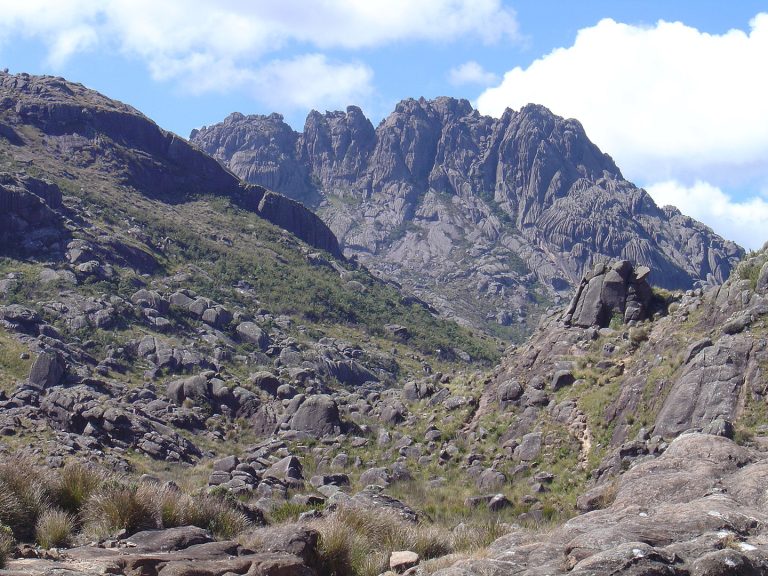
<point>486,219</point>
<point>188,387</point>
<point>130,259</point>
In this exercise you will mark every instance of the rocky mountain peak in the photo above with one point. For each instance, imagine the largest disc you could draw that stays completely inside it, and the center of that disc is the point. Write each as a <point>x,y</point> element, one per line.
<point>485,218</point>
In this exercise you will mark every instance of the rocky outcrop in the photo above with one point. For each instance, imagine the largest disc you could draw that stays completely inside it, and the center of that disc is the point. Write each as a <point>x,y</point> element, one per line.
<point>619,289</point>
<point>91,130</point>
<point>472,214</point>
<point>30,222</point>
<point>693,510</point>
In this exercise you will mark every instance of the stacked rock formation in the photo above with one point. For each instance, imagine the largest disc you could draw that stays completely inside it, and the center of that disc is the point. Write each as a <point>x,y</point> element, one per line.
<point>607,290</point>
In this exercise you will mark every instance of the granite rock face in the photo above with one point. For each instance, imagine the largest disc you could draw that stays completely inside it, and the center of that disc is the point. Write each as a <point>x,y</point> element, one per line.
<point>475,215</point>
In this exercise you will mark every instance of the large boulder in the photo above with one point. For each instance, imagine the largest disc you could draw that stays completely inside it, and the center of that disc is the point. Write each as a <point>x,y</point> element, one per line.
<point>47,371</point>
<point>317,415</point>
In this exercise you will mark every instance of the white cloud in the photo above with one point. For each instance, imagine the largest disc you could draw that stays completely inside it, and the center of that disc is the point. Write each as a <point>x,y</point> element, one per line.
<point>471,73</point>
<point>745,222</point>
<point>224,44</point>
<point>668,102</point>
<point>654,96</point>
<point>322,84</point>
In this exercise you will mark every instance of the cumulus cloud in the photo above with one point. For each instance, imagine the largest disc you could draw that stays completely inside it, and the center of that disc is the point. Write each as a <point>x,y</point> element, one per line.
<point>654,96</point>
<point>471,73</point>
<point>745,221</point>
<point>323,83</point>
<point>225,44</point>
<point>666,101</point>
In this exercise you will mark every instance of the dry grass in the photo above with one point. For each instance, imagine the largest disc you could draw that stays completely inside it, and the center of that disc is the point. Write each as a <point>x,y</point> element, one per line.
<point>73,485</point>
<point>7,543</point>
<point>24,496</point>
<point>54,529</point>
<point>357,542</point>
<point>116,506</point>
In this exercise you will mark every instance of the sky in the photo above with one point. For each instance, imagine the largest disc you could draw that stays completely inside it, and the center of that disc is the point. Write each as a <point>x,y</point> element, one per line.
<point>675,91</point>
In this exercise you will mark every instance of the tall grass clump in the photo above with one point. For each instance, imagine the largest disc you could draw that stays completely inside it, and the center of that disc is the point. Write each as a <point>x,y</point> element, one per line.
<point>357,542</point>
<point>116,506</point>
<point>24,496</point>
<point>215,514</point>
<point>7,544</point>
<point>73,485</point>
<point>54,529</point>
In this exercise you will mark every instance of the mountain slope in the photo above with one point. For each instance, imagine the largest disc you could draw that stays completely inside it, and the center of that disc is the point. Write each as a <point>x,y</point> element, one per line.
<point>482,217</point>
<point>128,258</point>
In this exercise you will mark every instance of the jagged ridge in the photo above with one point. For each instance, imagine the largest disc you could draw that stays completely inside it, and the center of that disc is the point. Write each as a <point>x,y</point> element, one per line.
<point>470,212</point>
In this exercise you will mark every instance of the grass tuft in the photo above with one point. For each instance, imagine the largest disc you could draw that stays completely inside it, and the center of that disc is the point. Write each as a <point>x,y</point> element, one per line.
<point>54,529</point>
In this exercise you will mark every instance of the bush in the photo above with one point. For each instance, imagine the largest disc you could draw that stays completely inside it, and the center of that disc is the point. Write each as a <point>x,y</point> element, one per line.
<point>7,543</point>
<point>638,335</point>
<point>54,529</point>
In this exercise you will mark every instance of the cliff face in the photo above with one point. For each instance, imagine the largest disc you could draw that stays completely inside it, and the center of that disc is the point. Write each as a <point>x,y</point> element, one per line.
<point>93,131</point>
<point>481,217</point>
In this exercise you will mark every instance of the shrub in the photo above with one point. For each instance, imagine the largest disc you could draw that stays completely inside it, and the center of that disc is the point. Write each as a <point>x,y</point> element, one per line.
<point>638,335</point>
<point>54,529</point>
<point>7,544</point>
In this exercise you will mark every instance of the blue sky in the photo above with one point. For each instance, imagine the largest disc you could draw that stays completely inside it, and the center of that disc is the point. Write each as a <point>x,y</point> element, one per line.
<point>675,91</point>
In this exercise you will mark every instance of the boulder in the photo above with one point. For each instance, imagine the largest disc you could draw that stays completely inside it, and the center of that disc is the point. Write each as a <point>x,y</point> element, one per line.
<point>402,560</point>
<point>265,381</point>
<point>253,334</point>
<point>48,370</point>
<point>170,539</point>
<point>317,415</point>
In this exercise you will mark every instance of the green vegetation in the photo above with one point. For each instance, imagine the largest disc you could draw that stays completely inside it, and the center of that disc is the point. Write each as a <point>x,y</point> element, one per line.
<point>15,361</point>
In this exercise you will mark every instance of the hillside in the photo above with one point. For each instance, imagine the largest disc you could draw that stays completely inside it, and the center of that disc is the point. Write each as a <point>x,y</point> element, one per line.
<point>489,220</point>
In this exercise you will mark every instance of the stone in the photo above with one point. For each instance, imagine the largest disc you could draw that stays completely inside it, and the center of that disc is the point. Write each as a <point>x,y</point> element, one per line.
<point>491,480</point>
<point>377,476</point>
<point>509,391</point>
<point>762,280</point>
<point>253,334</point>
<point>499,502</point>
<point>317,415</point>
<point>170,539</point>
<point>226,464</point>
<point>47,371</point>
<point>529,447</point>
<point>561,379</point>
<point>284,469</point>
<point>402,560</point>
<point>266,381</point>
